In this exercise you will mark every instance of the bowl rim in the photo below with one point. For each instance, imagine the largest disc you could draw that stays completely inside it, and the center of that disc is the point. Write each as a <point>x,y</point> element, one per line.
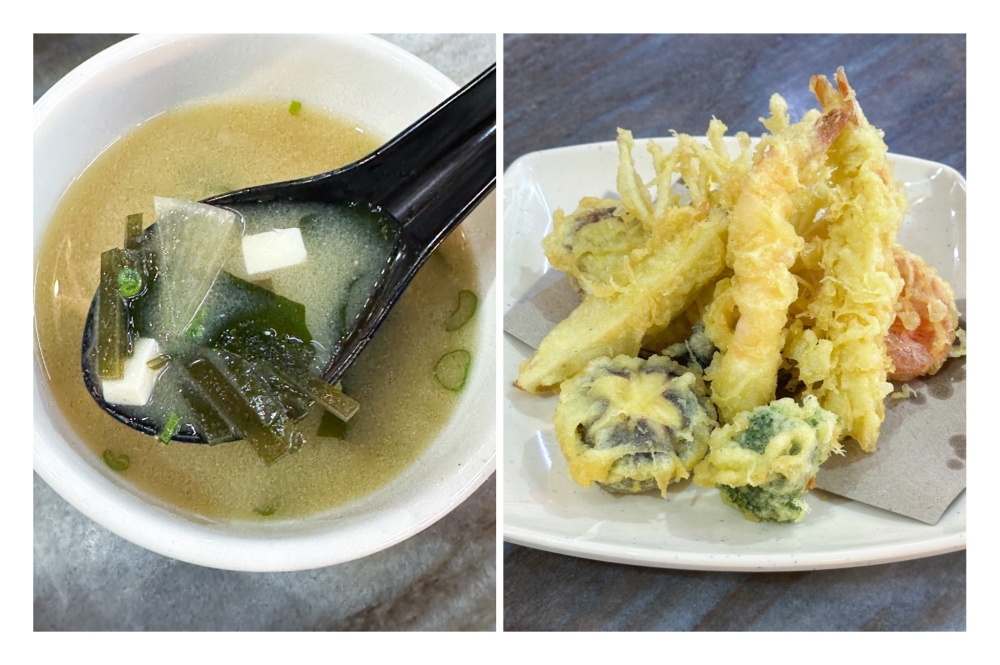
<point>129,512</point>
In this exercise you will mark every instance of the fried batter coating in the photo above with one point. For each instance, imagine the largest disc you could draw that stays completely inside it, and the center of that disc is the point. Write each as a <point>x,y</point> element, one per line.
<point>762,247</point>
<point>629,298</point>
<point>632,425</point>
<point>597,245</point>
<point>921,337</point>
<point>662,286</point>
<point>765,460</point>
<point>841,344</point>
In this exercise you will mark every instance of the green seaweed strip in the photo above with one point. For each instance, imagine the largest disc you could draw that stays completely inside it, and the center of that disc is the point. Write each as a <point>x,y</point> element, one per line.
<point>271,443</point>
<point>330,397</point>
<point>266,283</point>
<point>116,462</point>
<point>111,319</point>
<point>453,367</point>
<point>331,427</point>
<point>333,400</point>
<point>296,401</point>
<point>212,427</point>
<point>133,231</point>
<point>466,307</point>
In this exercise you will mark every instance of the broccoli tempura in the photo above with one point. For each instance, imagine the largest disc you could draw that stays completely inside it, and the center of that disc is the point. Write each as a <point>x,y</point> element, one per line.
<point>765,460</point>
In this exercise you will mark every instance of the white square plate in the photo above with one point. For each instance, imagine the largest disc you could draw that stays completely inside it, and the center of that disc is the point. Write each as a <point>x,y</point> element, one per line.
<point>691,529</point>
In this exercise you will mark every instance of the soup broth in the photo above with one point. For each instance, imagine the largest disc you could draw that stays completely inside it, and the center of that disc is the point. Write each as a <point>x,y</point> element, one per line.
<point>196,152</point>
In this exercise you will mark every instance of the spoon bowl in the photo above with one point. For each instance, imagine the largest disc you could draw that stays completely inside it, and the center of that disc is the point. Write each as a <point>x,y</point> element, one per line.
<point>426,180</point>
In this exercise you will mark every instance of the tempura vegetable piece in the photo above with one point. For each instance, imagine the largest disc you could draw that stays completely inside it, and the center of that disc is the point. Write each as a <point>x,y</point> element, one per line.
<point>635,196</point>
<point>696,351</point>
<point>854,304</point>
<point>921,337</point>
<point>597,245</point>
<point>764,460</point>
<point>633,425</point>
<point>762,247</point>
<point>708,174</point>
<point>663,285</point>
<point>192,242</point>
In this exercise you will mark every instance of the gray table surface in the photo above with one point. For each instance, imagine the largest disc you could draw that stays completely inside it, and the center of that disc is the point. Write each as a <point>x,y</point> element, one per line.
<point>571,89</point>
<point>87,578</point>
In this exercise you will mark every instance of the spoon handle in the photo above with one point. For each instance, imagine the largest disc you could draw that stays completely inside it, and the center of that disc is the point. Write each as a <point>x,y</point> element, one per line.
<point>447,160</point>
<point>429,178</point>
<point>434,173</point>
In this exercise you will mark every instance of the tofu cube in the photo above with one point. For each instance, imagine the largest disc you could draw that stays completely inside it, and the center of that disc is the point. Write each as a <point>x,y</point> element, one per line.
<point>136,386</point>
<point>278,248</point>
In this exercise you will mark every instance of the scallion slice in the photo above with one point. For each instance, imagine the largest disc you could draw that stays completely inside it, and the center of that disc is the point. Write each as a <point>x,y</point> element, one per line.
<point>452,369</point>
<point>170,429</point>
<point>116,462</point>
<point>463,311</point>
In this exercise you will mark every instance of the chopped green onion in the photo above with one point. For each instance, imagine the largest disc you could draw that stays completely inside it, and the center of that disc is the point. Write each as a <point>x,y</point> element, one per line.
<point>295,107</point>
<point>463,311</point>
<point>133,231</point>
<point>129,282</point>
<point>170,429</point>
<point>452,369</point>
<point>116,462</point>
<point>266,511</point>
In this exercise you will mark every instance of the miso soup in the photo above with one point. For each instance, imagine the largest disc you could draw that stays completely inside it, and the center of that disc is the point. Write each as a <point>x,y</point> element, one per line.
<point>193,153</point>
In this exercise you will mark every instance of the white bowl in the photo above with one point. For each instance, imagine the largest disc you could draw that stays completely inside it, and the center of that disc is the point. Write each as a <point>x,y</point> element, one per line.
<point>359,77</point>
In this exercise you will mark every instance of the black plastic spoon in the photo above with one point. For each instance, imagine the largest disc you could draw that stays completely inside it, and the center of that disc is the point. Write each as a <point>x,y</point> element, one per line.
<point>428,178</point>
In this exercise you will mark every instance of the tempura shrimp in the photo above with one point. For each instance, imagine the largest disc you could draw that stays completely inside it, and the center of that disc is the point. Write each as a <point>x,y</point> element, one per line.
<point>853,307</point>
<point>762,247</point>
<point>921,337</point>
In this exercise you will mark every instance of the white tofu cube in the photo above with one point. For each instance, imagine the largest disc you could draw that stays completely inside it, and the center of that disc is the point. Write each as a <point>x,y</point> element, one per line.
<point>278,248</point>
<point>135,388</point>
